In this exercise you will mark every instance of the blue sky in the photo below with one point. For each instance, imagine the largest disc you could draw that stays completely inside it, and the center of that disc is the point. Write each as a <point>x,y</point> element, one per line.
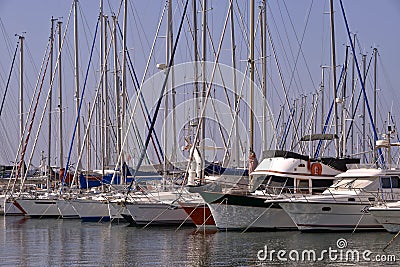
<point>375,22</point>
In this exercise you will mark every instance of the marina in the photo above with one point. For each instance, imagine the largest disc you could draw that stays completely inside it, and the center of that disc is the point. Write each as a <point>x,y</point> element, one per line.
<point>199,133</point>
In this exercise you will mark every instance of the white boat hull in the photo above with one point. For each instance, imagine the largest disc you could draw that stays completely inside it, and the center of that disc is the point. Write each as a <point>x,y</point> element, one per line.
<point>10,209</point>
<point>66,209</point>
<point>319,216</point>
<point>40,208</point>
<point>158,214</point>
<point>91,210</point>
<point>235,217</point>
<point>388,217</point>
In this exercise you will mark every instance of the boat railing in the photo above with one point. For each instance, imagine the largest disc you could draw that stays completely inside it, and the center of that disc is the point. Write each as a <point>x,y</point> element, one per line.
<point>291,192</point>
<point>353,166</point>
<point>362,196</point>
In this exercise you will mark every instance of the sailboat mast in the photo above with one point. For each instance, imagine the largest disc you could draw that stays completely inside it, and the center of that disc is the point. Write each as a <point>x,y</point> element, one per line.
<point>333,54</point>
<point>251,61</point>
<point>124,95</point>
<point>375,89</point>
<point>102,102</point>
<point>21,94</point>
<point>88,156</point>
<point>50,98</point>
<point>196,62</point>
<point>343,102</point>
<point>322,88</point>
<point>204,89</point>
<point>364,60</point>
<point>352,93</point>
<point>166,96</point>
<point>105,98</point>
<point>173,91</point>
<point>235,90</point>
<point>61,147</point>
<point>78,127</point>
<point>116,84</point>
<point>263,19</point>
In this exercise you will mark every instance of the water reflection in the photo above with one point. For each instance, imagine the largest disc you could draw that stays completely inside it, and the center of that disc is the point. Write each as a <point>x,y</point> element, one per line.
<point>52,242</point>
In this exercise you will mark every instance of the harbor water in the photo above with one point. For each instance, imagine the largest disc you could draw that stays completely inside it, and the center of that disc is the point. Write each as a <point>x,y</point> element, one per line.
<point>54,242</point>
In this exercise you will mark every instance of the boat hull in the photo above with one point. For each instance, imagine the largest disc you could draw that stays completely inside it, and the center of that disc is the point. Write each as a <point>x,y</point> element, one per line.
<point>66,209</point>
<point>388,217</point>
<point>200,214</point>
<point>328,216</point>
<point>12,208</point>
<point>246,212</point>
<point>158,214</point>
<point>40,208</point>
<point>90,210</point>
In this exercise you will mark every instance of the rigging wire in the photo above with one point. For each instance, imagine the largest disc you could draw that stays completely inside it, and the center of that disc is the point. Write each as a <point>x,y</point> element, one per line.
<point>80,104</point>
<point>13,179</point>
<point>157,108</point>
<point>142,102</point>
<point>8,79</point>
<point>147,68</point>
<point>300,43</point>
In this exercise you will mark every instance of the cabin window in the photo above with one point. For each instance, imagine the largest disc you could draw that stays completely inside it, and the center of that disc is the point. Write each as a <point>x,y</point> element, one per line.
<point>385,181</point>
<point>351,199</point>
<point>395,182</point>
<point>262,180</point>
<point>371,199</point>
<point>326,208</point>
<point>319,185</point>
<point>301,165</point>
<point>390,182</point>
<point>303,186</point>
<point>278,184</point>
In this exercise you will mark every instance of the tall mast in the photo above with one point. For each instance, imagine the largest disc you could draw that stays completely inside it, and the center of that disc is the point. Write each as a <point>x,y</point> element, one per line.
<point>173,91</point>
<point>50,98</point>
<point>343,102</point>
<point>106,152</point>
<point>252,163</point>
<point>375,89</point>
<point>322,88</point>
<point>352,93</point>
<point>166,96</point>
<point>333,46</point>
<point>204,89</point>
<point>116,84</point>
<point>233,46</point>
<point>88,156</point>
<point>124,95</point>
<point>21,93</point>
<point>196,72</point>
<point>364,60</point>
<point>61,147</point>
<point>251,61</point>
<point>78,127</point>
<point>264,70</point>
<point>103,86</point>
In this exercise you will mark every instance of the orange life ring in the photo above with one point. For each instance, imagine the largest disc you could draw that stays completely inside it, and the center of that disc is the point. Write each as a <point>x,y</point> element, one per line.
<point>316,168</point>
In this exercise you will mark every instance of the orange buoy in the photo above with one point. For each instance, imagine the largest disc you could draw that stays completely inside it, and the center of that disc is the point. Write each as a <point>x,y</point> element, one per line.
<point>316,168</point>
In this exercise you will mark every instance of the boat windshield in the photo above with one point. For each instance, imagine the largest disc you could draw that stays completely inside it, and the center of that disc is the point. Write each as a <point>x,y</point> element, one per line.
<point>352,183</point>
<point>259,181</point>
<point>278,185</point>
